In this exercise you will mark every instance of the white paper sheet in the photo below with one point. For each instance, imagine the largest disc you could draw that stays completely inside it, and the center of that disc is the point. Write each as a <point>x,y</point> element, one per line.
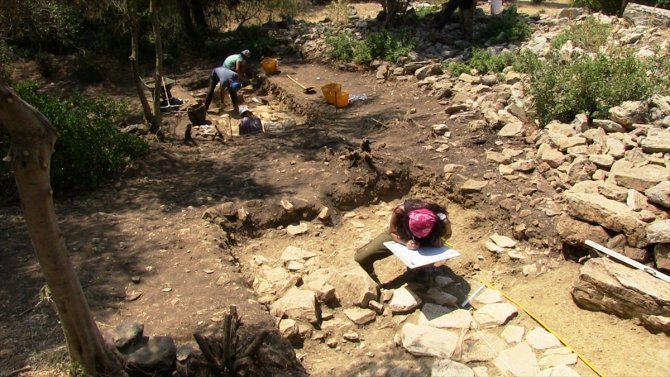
<point>421,257</point>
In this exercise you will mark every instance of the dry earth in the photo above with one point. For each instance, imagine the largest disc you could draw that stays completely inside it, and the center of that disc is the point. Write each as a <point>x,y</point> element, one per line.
<point>149,224</point>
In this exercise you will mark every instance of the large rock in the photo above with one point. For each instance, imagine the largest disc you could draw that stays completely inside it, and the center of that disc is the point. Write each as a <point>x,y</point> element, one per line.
<point>574,232</point>
<point>638,178</point>
<point>659,194</point>
<point>662,256</point>
<point>628,113</point>
<point>659,232</point>
<point>404,300</point>
<point>297,304</point>
<point>354,286</point>
<point>317,281</point>
<point>613,215</point>
<point>155,357</point>
<point>657,140</point>
<point>389,270</point>
<point>428,341</point>
<point>607,286</point>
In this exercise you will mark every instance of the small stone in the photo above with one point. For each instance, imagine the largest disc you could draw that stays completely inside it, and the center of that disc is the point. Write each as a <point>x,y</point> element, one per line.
<point>351,336</point>
<point>502,241</point>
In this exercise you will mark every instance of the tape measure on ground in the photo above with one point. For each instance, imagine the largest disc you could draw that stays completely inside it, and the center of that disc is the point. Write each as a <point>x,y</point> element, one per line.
<point>539,321</point>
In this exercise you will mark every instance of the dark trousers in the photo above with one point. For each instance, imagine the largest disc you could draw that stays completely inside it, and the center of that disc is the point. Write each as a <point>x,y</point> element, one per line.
<point>373,250</point>
<point>213,81</point>
<point>465,13</point>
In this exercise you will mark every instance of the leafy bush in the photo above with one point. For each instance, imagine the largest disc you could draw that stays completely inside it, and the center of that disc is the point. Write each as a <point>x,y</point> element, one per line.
<point>485,61</point>
<point>341,46</point>
<point>89,71</point>
<point>385,45</point>
<point>44,25</point>
<point>456,68</point>
<point>90,148</point>
<point>592,5</point>
<point>255,38</point>
<point>588,35</point>
<point>379,45</point>
<point>589,85</point>
<point>508,26</point>
<point>427,10</point>
<point>6,56</point>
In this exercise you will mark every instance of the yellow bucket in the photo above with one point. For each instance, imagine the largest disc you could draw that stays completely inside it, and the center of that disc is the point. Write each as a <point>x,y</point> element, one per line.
<point>342,99</point>
<point>331,91</point>
<point>269,65</point>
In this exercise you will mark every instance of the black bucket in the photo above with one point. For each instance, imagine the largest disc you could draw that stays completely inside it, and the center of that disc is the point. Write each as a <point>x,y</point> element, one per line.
<point>197,114</point>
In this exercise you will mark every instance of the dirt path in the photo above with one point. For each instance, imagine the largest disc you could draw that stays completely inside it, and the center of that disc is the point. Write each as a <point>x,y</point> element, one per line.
<point>149,225</point>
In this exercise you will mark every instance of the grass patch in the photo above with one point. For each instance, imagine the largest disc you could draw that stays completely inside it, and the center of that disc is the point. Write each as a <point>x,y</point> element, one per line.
<point>588,35</point>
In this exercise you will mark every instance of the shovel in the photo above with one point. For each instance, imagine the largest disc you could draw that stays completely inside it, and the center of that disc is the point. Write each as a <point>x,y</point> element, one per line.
<point>306,90</point>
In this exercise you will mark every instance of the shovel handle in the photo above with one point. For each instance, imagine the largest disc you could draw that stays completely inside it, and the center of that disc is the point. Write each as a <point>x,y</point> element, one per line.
<point>297,83</point>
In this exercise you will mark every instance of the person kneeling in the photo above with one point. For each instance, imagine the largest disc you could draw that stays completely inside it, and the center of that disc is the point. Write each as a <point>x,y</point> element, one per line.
<point>249,123</point>
<point>415,224</point>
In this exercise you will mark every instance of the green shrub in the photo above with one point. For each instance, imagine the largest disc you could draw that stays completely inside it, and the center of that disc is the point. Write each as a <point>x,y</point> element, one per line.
<point>89,71</point>
<point>44,25</point>
<point>589,85</point>
<point>384,45</point>
<point>47,63</point>
<point>257,39</point>
<point>379,45</point>
<point>6,56</point>
<point>486,62</point>
<point>341,46</point>
<point>508,26</point>
<point>90,149</point>
<point>456,68</point>
<point>588,35</point>
<point>427,10</point>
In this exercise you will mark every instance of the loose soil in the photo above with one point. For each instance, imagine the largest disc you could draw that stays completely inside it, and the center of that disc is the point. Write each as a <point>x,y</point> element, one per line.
<point>149,223</point>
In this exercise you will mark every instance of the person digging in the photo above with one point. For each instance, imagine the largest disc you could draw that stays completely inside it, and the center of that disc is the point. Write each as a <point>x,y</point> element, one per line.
<point>228,81</point>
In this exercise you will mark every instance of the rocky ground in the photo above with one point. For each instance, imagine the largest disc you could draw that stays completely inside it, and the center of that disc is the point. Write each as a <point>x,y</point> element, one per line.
<point>269,223</point>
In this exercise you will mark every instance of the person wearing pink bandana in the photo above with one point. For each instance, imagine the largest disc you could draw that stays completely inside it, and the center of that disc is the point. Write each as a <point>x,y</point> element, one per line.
<point>414,223</point>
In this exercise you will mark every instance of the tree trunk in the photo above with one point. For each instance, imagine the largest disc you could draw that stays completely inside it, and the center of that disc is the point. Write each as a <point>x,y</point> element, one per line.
<point>199,15</point>
<point>134,65</point>
<point>185,13</point>
<point>32,143</point>
<point>158,76</point>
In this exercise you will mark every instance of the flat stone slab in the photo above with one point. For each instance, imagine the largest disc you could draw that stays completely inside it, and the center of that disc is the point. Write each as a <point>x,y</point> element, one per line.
<point>518,361</point>
<point>540,339</point>
<point>360,316</point>
<point>428,341</point>
<point>404,300</point>
<point>513,334</point>
<point>493,315</point>
<point>557,357</point>
<point>444,317</point>
<point>449,368</point>
<point>297,304</point>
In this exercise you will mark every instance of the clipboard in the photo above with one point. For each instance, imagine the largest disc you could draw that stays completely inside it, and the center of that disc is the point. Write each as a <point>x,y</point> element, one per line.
<point>423,256</point>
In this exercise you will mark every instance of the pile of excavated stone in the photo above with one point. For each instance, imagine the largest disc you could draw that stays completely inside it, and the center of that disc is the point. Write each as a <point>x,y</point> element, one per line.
<point>614,173</point>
